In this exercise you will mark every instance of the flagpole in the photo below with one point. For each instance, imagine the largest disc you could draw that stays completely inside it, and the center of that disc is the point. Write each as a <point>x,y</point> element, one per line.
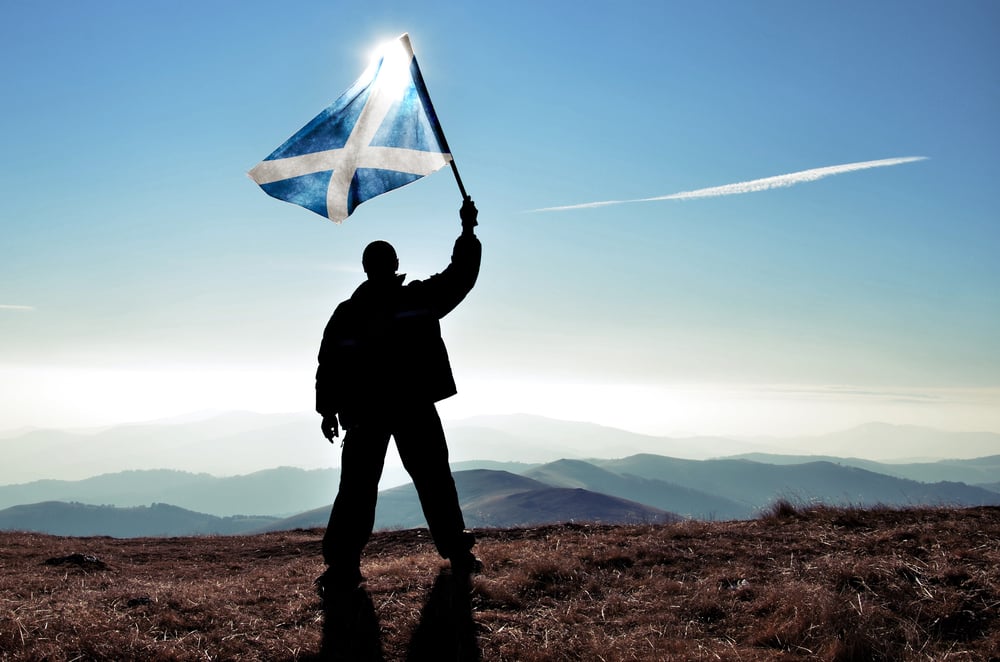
<point>458,178</point>
<point>405,40</point>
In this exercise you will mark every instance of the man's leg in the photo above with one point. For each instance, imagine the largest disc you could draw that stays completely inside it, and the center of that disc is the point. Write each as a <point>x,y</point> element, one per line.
<point>353,515</point>
<point>422,448</point>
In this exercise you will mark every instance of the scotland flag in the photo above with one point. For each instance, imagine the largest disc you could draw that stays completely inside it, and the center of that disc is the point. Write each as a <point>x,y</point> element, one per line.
<point>380,134</point>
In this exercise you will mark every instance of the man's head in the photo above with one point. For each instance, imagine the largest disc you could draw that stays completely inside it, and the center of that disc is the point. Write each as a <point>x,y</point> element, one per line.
<point>379,260</point>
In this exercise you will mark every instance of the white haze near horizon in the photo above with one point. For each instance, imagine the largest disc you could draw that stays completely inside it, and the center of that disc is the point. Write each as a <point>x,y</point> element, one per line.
<point>67,398</point>
<point>236,443</point>
<point>728,420</point>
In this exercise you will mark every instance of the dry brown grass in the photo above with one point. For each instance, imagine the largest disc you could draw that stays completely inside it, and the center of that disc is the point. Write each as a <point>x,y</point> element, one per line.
<point>797,584</point>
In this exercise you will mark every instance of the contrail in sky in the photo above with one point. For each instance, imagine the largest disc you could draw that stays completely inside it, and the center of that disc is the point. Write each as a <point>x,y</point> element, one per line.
<point>9,306</point>
<point>754,185</point>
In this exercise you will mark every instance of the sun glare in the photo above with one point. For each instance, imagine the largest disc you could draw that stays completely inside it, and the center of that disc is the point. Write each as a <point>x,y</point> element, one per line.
<point>394,72</point>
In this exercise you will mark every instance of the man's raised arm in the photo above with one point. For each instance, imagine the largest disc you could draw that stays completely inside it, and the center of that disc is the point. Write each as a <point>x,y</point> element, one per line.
<point>448,288</point>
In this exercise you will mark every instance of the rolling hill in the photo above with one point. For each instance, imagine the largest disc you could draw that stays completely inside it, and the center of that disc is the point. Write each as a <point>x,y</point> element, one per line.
<point>497,499</point>
<point>158,519</point>
<point>678,499</point>
<point>976,471</point>
<point>756,484</point>
<point>278,492</point>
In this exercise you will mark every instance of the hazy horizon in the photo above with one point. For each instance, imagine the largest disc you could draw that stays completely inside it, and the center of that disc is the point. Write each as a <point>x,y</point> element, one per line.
<point>239,443</point>
<point>743,411</point>
<point>462,418</point>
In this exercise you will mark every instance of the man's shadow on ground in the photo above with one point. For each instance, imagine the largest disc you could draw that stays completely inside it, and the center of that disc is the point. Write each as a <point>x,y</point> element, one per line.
<point>446,630</point>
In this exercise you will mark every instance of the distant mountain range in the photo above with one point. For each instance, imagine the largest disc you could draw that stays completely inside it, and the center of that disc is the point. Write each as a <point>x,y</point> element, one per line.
<point>977,471</point>
<point>158,519</point>
<point>239,443</point>
<point>495,499</point>
<point>639,488</point>
<point>755,484</point>
<point>536,471</point>
<point>224,444</point>
<point>275,492</point>
<point>536,439</point>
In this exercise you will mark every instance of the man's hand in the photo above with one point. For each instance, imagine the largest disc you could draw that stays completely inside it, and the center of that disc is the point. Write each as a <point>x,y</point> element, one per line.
<point>469,215</point>
<point>330,428</point>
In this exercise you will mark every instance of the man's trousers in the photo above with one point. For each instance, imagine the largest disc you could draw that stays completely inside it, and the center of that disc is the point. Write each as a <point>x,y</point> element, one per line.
<point>422,447</point>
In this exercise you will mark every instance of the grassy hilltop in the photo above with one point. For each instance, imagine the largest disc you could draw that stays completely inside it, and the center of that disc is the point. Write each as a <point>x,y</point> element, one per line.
<point>796,584</point>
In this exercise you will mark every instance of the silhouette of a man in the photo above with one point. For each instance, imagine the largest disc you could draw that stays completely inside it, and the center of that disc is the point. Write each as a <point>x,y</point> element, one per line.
<point>382,366</point>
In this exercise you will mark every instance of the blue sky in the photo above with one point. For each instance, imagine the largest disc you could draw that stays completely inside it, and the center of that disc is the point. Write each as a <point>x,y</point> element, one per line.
<point>142,274</point>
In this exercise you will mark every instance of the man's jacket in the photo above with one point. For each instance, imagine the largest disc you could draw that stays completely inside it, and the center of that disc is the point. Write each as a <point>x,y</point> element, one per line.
<point>383,347</point>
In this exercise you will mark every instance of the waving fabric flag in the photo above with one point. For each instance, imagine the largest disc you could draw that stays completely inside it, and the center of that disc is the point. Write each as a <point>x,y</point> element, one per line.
<point>380,134</point>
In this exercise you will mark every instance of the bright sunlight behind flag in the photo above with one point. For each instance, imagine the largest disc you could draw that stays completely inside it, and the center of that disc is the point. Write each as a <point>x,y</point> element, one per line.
<point>380,134</point>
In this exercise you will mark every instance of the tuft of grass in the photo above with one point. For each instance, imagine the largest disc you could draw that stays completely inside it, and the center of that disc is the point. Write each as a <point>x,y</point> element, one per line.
<point>781,509</point>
